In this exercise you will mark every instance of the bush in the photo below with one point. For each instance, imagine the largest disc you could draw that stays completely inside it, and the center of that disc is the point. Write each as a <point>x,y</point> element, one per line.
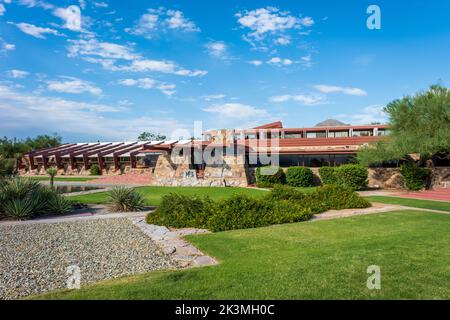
<point>124,199</point>
<point>25,198</point>
<point>269,176</point>
<point>94,170</point>
<point>282,205</point>
<point>299,177</point>
<point>353,176</point>
<point>181,211</point>
<point>327,175</point>
<point>416,178</point>
<point>338,198</point>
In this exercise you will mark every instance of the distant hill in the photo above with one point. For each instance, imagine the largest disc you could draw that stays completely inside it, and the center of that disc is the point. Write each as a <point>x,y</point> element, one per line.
<point>331,123</point>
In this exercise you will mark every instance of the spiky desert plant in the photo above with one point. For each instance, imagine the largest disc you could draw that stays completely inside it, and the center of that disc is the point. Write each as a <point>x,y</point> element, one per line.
<point>123,199</point>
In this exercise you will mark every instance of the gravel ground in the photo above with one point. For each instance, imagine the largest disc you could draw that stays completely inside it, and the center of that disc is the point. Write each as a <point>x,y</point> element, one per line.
<point>34,257</point>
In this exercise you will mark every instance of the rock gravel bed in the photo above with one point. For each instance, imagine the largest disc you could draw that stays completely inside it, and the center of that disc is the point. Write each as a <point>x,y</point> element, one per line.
<point>34,257</point>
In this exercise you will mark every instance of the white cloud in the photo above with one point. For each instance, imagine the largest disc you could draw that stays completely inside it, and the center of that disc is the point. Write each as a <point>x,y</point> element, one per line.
<point>73,85</point>
<point>36,3</point>
<point>336,89</point>
<point>4,46</point>
<point>306,61</point>
<point>370,114</point>
<point>236,111</point>
<point>26,112</point>
<point>256,63</point>
<point>161,19</point>
<point>213,97</point>
<point>2,9</point>
<point>177,20</point>
<point>101,4</point>
<point>106,50</point>
<point>270,21</point>
<point>217,49</point>
<point>279,61</point>
<point>82,4</point>
<point>14,73</point>
<point>149,83</point>
<point>284,40</point>
<point>107,54</point>
<point>308,100</point>
<point>36,31</point>
<point>71,17</point>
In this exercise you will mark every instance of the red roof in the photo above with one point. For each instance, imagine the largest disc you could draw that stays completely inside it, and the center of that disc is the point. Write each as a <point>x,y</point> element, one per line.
<point>272,125</point>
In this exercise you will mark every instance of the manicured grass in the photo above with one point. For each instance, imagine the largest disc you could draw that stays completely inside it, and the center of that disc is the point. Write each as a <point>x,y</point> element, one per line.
<point>44,178</point>
<point>417,203</point>
<point>153,195</point>
<point>307,260</point>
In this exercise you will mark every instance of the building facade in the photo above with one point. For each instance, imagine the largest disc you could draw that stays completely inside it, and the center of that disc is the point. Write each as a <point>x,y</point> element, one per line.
<point>221,158</point>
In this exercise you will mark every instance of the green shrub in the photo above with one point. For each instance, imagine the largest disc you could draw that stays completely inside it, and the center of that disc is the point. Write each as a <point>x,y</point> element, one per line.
<point>95,170</point>
<point>416,178</point>
<point>181,211</point>
<point>299,177</point>
<point>124,199</point>
<point>327,175</point>
<point>338,198</point>
<point>269,176</point>
<point>22,198</point>
<point>353,176</point>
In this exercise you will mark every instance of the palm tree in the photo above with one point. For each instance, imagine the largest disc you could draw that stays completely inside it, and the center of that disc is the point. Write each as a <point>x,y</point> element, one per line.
<point>52,171</point>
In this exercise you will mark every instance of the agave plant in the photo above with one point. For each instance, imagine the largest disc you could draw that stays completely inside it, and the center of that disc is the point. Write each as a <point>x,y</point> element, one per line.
<point>123,199</point>
<point>22,198</point>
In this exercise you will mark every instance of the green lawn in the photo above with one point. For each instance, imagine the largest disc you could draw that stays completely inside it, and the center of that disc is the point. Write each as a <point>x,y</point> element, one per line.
<point>153,194</point>
<point>44,178</point>
<point>307,260</point>
<point>417,203</point>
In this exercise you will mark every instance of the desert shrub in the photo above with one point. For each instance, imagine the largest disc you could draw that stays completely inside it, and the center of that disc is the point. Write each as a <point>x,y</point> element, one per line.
<point>95,170</point>
<point>22,198</point>
<point>181,211</point>
<point>338,197</point>
<point>327,175</point>
<point>52,171</point>
<point>299,177</point>
<point>415,177</point>
<point>124,199</point>
<point>7,166</point>
<point>353,176</point>
<point>281,192</point>
<point>269,176</point>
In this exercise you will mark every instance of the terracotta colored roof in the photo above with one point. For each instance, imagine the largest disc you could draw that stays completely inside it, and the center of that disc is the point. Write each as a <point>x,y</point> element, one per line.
<point>272,125</point>
<point>306,142</point>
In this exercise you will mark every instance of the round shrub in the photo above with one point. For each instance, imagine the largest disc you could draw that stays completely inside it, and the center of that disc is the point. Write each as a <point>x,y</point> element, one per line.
<point>299,177</point>
<point>353,176</point>
<point>269,176</point>
<point>327,175</point>
<point>415,177</point>
<point>94,170</point>
<point>124,199</point>
<point>334,197</point>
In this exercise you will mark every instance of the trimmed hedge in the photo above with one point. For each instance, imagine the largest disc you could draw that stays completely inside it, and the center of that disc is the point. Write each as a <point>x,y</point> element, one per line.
<point>299,177</point>
<point>353,176</point>
<point>95,170</point>
<point>416,178</point>
<point>282,205</point>
<point>269,180</point>
<point>327,175</point>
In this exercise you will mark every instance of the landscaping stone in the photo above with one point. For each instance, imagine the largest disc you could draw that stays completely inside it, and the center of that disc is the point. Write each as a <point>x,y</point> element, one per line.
<point>171,242</point>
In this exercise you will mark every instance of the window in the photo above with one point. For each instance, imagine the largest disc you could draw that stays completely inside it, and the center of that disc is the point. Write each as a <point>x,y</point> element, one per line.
<point>316,134</point>
<point>383,132</point>
<point>250,136</point>
<point>337,134</point>
<point>362,133</point>
<point>292,135</point>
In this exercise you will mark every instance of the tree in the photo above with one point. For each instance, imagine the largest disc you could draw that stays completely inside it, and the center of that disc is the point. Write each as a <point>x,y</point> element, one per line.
<point>419,124</point>
<point>150,136</point>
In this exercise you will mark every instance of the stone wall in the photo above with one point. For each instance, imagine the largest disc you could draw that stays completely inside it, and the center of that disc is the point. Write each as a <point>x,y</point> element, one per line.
<point>385,178</point>
<point>174,172</point>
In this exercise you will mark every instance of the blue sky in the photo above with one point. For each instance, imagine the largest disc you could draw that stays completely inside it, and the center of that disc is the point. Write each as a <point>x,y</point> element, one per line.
<point>109,70</point>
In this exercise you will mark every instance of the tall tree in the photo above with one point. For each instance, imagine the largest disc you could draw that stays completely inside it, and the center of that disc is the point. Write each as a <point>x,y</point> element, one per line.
<point>150,136</point>
<point>419,124</point>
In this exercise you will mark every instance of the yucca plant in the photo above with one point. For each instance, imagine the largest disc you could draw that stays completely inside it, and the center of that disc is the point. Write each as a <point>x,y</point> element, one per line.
<point>123,199</point>
<point>52,171</point>
<point>58,204</point>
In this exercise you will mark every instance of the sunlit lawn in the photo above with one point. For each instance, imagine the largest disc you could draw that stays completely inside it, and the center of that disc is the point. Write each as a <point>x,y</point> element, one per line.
<point>408,202</point>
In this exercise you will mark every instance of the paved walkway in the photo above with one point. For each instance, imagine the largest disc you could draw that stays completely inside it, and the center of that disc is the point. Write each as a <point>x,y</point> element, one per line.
<point>436,194</point>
